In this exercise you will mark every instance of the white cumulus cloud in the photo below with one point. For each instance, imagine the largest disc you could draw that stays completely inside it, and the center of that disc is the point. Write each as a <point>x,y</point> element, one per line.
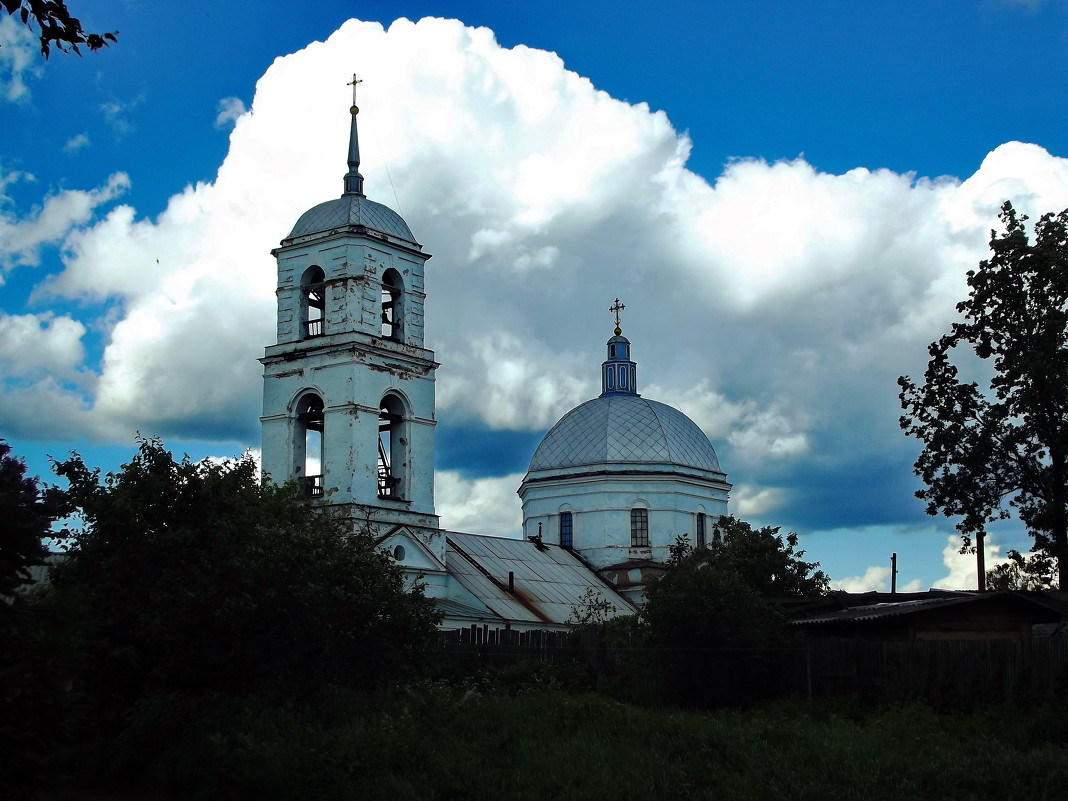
<point>229,111</point>
<point>481,505</point>
<point>874,578</point>
<point>962,568</point>
<point>51,222</point>
<point>774,303</point>
<point>76,143</point>
<point>19,54</point>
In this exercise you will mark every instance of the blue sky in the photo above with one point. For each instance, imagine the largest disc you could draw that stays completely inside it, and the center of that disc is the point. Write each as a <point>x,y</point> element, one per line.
<point>785,195</point>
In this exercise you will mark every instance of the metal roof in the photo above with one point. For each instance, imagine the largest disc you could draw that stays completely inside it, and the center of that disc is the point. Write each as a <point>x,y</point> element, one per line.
<point>352,209</point>
<point>627,429</point>
<point>548,583</point>
<point>884,611</point>
<point>881,611</point>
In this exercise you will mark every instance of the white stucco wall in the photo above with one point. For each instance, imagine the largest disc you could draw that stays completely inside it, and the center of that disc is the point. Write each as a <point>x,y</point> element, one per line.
<point>600,508</point>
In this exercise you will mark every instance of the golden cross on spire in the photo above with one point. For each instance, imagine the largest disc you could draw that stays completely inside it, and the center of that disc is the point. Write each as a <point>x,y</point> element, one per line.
<point>616,308</point>
<point>354,83</point>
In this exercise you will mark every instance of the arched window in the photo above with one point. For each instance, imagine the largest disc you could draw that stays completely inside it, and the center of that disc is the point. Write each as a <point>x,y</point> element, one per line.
<point>308,444</point>
<point>392,448</point>
<point>313,302</point>
<point>639,528</point>
<point>567,532</point>
<point>392,305</point>
<point>700,530</point>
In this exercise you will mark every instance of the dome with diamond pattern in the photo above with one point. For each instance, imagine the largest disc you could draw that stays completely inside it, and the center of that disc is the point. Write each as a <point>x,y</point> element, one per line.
<point>352,209</point>
<point>625,430</point>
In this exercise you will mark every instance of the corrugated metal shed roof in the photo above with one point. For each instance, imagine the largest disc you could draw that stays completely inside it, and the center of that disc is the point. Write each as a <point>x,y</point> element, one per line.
<point>881,611</point>
<point>884,611</point>
<point>547,582</point>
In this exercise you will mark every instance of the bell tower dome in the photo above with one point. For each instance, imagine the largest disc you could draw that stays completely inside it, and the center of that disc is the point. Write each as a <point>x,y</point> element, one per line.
<point>348,388</point>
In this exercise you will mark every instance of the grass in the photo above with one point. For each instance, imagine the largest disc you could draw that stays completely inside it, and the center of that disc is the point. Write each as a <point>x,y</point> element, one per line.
<point>428,742</point>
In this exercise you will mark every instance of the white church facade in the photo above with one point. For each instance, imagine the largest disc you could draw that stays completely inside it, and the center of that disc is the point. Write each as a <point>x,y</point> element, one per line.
<point>348,410</point>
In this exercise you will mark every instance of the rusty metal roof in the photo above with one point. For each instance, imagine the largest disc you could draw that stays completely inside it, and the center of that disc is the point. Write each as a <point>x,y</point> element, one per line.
<point>547,583</point>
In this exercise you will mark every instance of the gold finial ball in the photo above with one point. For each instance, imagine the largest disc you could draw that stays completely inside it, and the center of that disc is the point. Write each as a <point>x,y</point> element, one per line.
<point>354,110</point>
<point>618,330</point>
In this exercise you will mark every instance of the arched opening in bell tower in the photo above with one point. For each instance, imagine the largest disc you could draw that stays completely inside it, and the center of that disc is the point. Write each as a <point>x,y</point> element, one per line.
<point>392,305</point>
<point>308,443</point>
<point>392,448</point>
<point>313,302</point>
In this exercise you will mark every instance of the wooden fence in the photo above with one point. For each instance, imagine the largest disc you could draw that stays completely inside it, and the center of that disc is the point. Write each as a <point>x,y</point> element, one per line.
<point>499,645</point>
<point>945,674</point>
<point>950,673</point>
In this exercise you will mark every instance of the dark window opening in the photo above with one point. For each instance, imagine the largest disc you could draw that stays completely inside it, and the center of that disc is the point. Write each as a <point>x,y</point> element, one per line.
<point>312,423</point>
<point>566,531</point>
<point>392,297</point>
<point>314,302</point>
<point>390,449</point>
<point>639,528</point>
<point>700,530</point>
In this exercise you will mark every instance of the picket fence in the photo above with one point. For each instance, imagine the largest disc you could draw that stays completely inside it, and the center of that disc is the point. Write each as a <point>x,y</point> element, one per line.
<point>946,674</point>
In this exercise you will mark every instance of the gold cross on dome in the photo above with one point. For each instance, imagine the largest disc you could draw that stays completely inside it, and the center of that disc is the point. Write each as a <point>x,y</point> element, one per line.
<point>354,83</point>
<point>616,308</point>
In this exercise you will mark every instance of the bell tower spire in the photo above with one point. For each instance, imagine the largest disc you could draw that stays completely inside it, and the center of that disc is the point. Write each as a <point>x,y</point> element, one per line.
<point>353,179</point>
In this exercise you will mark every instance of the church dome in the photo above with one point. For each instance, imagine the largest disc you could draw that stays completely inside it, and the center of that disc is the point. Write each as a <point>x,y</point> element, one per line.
<point>352,209</point>
<point>625,430</point>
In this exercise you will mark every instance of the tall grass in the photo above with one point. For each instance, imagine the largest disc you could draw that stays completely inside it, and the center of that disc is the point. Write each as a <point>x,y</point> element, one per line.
<point>428,742</point>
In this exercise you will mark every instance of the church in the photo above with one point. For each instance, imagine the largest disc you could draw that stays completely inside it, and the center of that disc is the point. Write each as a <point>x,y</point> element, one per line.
<point>348,410</point>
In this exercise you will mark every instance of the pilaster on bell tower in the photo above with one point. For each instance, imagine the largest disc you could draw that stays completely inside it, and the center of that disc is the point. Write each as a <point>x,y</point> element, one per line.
<point>348,394</point>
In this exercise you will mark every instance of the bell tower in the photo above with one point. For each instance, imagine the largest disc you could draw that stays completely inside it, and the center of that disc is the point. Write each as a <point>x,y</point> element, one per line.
<point>348,388</point>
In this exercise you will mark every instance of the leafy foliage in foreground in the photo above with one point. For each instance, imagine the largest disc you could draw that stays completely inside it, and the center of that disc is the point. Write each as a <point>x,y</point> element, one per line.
<point>709,621</point>
<point>766,561</point>
<point>428,742</point>
<point>196,578</point>
<point>56,25</point>
<point>27,691</point>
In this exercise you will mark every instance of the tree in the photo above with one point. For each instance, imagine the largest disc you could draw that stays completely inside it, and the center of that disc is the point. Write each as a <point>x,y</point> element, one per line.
<point>988,451</point>
<point>195,578</point>
<point>712,618</point>
<point>27,689</point>
<point>769,564</point>
<point>1034,571</point>
<point>708,633</point>
<point>56,25</point>
<point>27,520</point>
